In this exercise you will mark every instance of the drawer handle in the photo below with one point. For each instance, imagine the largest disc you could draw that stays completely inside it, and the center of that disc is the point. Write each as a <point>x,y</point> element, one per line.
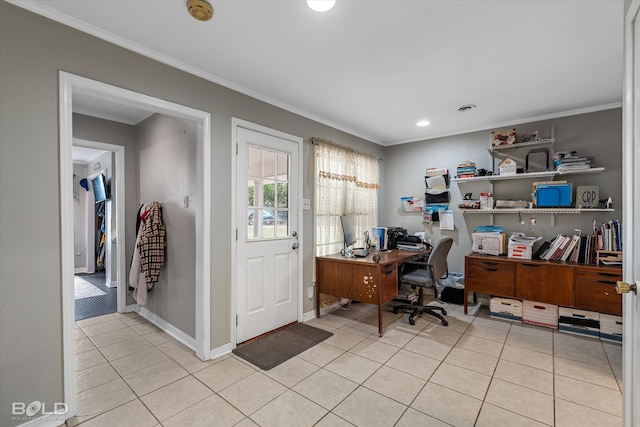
<point>531,265</point>
<point>606,282</point>
<point>608,274</point>
<point>491,269</point>
<point>490,263</point>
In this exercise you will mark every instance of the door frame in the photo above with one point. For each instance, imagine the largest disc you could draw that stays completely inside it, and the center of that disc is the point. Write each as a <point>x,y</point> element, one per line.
<point>631,211</point>
<point>239,123</point>
<point>68,84</point>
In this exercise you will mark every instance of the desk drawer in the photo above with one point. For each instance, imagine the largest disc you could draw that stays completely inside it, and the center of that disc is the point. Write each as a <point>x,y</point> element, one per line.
<point>595,291</point>
<point>491,277</point>
<point>365,284</point>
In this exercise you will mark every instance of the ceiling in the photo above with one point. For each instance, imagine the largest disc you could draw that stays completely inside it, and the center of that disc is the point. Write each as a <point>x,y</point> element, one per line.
<point>375,68</point>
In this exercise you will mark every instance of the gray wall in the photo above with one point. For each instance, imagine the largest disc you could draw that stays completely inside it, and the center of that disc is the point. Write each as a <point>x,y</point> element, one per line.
<point>596,134</point>
<point>34,50</point>
<point>167,172</point>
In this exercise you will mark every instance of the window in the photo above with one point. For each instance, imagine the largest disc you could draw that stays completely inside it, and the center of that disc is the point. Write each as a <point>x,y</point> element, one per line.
<point>347,182</point>
<point>268,193</point>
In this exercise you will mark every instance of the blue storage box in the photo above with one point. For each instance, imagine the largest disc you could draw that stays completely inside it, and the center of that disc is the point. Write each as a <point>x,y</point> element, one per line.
<point>553,195</point>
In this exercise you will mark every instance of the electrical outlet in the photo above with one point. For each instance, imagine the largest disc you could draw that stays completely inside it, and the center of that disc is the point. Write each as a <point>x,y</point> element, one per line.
<point>310,292</point>
<point>306,204</point>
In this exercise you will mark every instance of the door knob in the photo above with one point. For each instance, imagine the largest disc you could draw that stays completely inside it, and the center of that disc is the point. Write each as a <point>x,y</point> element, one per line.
<point>295,245</point>
<point>625,288</point>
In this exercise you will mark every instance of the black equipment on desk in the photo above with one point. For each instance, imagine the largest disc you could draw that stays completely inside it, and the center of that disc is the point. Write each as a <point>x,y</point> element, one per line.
<point>396,234</point>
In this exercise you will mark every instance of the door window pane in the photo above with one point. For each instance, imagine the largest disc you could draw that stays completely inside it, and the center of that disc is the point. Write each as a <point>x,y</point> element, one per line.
<point>283,194</point>
<point>251,193</point>
<point>254,164</point>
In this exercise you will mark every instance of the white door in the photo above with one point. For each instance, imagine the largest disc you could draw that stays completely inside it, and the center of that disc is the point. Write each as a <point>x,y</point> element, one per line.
<point>267,218</point>
<point>631,219</point>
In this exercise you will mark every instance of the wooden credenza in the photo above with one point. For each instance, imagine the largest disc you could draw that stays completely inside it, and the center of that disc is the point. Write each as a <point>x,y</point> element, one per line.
<point>585,287</point>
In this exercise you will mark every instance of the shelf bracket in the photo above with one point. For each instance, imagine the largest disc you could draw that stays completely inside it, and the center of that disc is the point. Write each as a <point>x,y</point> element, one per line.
<point>553,219</point>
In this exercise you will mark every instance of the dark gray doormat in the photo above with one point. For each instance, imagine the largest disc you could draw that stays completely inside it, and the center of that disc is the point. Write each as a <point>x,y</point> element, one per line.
<point>271,350</point>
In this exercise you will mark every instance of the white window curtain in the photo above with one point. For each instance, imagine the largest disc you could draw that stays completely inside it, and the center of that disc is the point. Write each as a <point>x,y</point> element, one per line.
<point>347,182</point>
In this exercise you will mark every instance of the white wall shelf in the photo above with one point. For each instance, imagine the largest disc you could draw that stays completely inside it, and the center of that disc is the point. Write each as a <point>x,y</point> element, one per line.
<point>534,210</point>
<point>538,142</point>
<point>552,211</point>
<point>529,175</point>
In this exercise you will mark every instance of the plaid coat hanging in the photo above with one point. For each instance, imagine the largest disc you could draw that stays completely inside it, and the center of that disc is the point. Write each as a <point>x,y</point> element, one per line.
<point>151,244</point>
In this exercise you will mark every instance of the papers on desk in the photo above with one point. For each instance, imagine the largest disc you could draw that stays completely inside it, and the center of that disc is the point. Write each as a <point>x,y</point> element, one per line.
<point>408,246</point>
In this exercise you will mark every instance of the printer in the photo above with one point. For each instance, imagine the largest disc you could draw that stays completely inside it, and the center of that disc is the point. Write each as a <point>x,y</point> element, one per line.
<point>395,235</point>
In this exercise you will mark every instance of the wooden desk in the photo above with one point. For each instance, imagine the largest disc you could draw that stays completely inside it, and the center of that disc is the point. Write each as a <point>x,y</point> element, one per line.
<point>361,279</point>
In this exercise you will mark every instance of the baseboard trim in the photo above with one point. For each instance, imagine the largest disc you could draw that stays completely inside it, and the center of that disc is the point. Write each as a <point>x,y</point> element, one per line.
<point>111,283</point>
<point>310,315</point>
<point>220,351</point>
<point>168,328</point>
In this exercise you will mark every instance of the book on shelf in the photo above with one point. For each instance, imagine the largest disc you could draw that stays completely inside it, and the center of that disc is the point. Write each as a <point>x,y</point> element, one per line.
<point>570,248</point>
<point>564,242</point>
<point>553,247</point>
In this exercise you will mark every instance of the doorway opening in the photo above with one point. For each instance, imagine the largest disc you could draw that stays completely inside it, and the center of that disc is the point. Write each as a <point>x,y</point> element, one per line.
<point>94,219</point>
<point>74,89</point>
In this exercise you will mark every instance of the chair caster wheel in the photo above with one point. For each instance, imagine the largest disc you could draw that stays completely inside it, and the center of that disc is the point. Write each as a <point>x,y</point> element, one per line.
<point>445,323</point>
<point>412,321</point>
<point>444,312</point>
<point>395,310</point>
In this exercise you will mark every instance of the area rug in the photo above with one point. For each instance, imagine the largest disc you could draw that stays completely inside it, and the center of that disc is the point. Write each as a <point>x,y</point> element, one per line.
<point>84,289</point>
<point>271,350</point>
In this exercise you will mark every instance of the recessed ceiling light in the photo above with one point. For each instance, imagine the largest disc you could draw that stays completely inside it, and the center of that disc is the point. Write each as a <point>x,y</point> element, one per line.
<point>423,123</point>
<point>321,5</point>
<point>467,107</point>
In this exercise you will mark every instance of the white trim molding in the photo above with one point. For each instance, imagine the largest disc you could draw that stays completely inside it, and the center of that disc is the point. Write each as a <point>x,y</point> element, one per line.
<point>70,84</point>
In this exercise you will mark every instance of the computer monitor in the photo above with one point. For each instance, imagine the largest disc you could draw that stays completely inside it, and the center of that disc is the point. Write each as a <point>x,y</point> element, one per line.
<point>348,231</point>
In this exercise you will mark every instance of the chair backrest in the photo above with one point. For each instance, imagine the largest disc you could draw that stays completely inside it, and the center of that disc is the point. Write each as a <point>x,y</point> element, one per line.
<point>438,259</point>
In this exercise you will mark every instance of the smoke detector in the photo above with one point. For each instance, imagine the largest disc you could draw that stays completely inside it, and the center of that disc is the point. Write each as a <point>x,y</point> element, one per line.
<point>200,9</point>
<point>467,107</point>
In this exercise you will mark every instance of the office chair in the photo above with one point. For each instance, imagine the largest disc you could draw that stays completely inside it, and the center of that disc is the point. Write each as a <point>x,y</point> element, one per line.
<point>427,274</point>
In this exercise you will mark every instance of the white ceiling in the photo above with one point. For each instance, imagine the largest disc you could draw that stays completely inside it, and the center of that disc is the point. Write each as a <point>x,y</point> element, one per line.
<point>374,68</point>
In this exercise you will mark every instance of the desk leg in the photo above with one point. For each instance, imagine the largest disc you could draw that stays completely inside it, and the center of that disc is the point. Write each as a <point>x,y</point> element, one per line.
<point>466,302</point>
<point>380,326</point>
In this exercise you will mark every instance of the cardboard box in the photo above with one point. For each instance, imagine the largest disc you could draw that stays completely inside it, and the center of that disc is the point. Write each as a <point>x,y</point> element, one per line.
<point>610,327</point>
<point>506,308</point>
<point>541,314</point>
<point>489,243</point>
<point>580,322</point>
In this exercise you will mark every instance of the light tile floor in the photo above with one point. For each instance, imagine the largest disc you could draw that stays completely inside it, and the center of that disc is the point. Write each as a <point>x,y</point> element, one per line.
<point>478,371</point>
